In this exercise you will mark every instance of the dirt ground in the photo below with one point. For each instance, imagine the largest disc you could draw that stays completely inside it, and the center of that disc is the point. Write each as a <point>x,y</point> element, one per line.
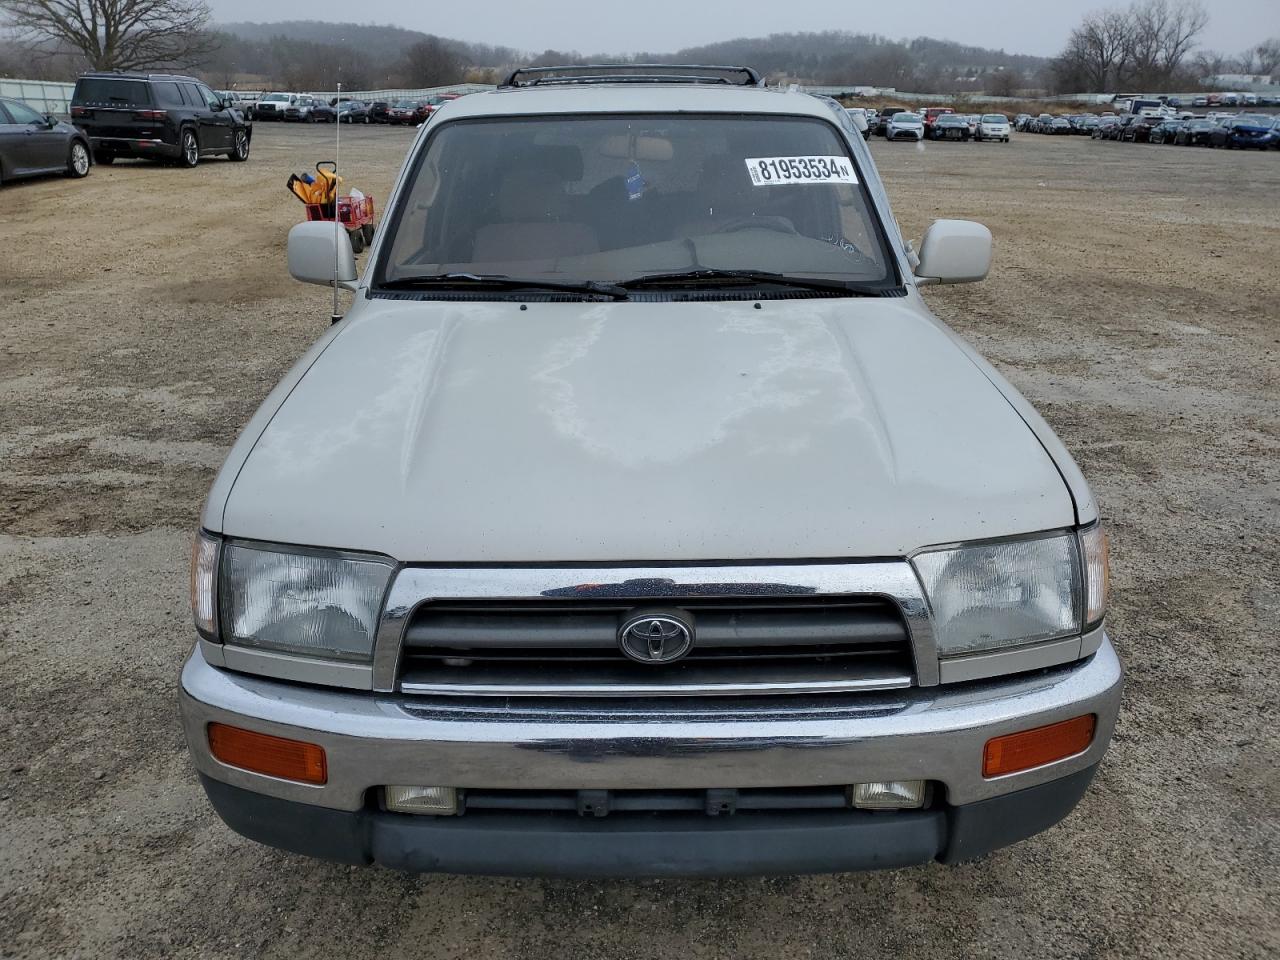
<point>146,311</point>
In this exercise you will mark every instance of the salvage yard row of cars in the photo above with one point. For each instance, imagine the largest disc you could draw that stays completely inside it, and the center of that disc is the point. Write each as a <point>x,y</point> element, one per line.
<point>934,123</point>
<point>312,108</point>
<point>1259,131</point>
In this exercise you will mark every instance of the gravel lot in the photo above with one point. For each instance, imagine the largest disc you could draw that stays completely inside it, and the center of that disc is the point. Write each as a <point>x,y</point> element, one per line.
<point>146,311</point>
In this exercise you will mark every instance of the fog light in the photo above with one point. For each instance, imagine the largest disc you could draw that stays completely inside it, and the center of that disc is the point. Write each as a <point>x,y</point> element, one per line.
<point>888,795</point>
<point>441,801</point>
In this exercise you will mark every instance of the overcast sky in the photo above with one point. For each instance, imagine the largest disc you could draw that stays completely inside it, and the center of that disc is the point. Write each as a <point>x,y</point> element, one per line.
<point>590,26</point>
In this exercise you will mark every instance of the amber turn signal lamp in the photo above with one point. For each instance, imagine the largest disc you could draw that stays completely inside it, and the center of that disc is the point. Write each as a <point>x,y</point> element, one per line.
<point>1034,748</point>
<point>273,756</point>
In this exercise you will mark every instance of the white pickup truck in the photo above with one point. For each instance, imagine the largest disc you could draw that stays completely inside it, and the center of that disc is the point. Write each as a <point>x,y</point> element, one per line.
<point>639,518</point>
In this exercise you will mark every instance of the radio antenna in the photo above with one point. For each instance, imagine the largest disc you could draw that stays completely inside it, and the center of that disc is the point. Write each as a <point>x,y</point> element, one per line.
<point>337,221</point>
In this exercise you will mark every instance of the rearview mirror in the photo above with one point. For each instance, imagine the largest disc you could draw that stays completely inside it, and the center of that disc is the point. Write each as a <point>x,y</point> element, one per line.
<point>954,251</point>
<point>316,248</point>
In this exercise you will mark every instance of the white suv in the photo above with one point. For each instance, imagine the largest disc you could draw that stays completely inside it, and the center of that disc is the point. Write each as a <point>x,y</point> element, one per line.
<point>640,519</point>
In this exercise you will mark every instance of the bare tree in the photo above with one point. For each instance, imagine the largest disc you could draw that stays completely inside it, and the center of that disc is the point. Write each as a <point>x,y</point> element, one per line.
<point>1265,57</point>
<point>116,34</point>
<point>430,63</point>
<point>1005,83</point>
<point>1145,45</point>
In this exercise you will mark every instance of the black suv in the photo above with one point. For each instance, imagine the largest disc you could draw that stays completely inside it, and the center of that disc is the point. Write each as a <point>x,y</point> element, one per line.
<point>159,116</point>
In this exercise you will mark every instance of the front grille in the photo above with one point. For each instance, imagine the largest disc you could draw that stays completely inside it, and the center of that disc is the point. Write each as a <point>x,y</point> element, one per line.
<point>742,646</point>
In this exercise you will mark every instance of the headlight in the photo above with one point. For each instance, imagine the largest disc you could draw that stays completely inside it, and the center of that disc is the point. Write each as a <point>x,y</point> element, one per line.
<point>1002,594</point>
<point>312,603</point>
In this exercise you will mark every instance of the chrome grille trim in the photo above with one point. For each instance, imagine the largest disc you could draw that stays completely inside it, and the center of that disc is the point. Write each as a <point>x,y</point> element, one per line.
<point>413,586</point>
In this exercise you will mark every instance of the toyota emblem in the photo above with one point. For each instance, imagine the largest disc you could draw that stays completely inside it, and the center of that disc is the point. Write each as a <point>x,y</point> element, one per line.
<point>656,637</point>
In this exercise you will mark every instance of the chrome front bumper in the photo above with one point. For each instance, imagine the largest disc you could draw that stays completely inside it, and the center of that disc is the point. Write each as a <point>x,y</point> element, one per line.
<point>371,739</point>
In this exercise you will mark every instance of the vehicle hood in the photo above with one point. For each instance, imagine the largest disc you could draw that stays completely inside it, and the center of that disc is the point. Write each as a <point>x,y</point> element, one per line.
<point>487,432</point>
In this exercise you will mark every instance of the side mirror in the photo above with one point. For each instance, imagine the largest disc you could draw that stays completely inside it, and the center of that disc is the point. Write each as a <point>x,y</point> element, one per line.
<point>50,121</point>
<point>315,248</point>
<point>954,251</point>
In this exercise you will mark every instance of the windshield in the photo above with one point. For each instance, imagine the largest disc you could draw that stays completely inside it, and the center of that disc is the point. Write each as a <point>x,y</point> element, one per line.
<point>405,105</point>
<point>611,199</point>
<point>910,117</point>
<point>1254,119</point>
<point>994,118</point>
<point>277,97</point>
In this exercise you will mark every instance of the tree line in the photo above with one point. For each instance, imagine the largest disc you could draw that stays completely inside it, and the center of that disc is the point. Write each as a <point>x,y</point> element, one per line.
<point>1148,46</point>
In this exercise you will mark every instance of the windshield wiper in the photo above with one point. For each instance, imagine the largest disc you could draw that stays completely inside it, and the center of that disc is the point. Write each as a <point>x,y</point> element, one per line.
<point>708,275</point>
<point>501,281</point>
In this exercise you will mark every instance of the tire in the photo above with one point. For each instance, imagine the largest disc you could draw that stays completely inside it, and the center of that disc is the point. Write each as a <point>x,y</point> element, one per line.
<point>367,232</point>
<point>188,148</point>
<point>357,240</point>
<point>78,161</point>
<point>240,146</point>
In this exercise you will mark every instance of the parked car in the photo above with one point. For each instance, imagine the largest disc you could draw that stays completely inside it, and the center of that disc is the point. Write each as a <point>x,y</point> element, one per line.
<point>1116,132</point>
<point>949,126</point>
<point>930,117</point>
<point>236,101</point>
<point>886,114</point>
<point>993,126</point>
<point>1140,130</point>
<point>378,111</point>
<point>1166,131</point>
<point>310,109</point>
<point>1020,121</point>
<point>353,111</point>
<point>272,106</point>
<point>403,112</point>
<point>34,143</point>
<point>1058,125</point>
<point>434,103</point>
<point>1103,129</point>
<point>1243,132</point>
<point>905,126</point>
<point>157,116</point>
<point>1195,133</point>
<point>579,667</point>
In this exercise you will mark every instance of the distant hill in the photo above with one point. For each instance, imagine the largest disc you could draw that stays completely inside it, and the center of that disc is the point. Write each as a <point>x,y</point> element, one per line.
<point>375,56</point>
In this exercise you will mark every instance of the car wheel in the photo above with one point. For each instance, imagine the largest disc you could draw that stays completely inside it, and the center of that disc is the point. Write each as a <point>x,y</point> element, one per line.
<point>190,148</point>
<point>357,241</point>
<point>78,160</point>
<point>240,152</point>
<point>366,230</point>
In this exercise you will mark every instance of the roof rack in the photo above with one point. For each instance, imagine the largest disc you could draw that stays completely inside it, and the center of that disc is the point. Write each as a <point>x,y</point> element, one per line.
<point>632,73</point>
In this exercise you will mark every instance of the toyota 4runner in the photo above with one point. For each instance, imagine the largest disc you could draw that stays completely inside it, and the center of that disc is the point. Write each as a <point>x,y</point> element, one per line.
<point>640,519</point>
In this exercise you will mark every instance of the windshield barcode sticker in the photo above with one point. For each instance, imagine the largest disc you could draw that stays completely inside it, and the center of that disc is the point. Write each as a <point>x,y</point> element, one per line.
<point>771,171</point>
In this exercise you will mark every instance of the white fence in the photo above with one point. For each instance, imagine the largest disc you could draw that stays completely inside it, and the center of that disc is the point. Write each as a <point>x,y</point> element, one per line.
<point>44,95</point>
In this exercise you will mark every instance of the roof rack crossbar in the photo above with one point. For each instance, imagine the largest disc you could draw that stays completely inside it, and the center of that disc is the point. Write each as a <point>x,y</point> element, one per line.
<point>632,73</point>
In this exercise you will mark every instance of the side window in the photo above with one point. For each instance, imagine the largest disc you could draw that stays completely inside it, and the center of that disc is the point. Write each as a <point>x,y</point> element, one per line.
<point>21,113</point>
<point>167,94</point>
<point>191,95</point>
<point>210,98</point>
<point>4,114</point>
